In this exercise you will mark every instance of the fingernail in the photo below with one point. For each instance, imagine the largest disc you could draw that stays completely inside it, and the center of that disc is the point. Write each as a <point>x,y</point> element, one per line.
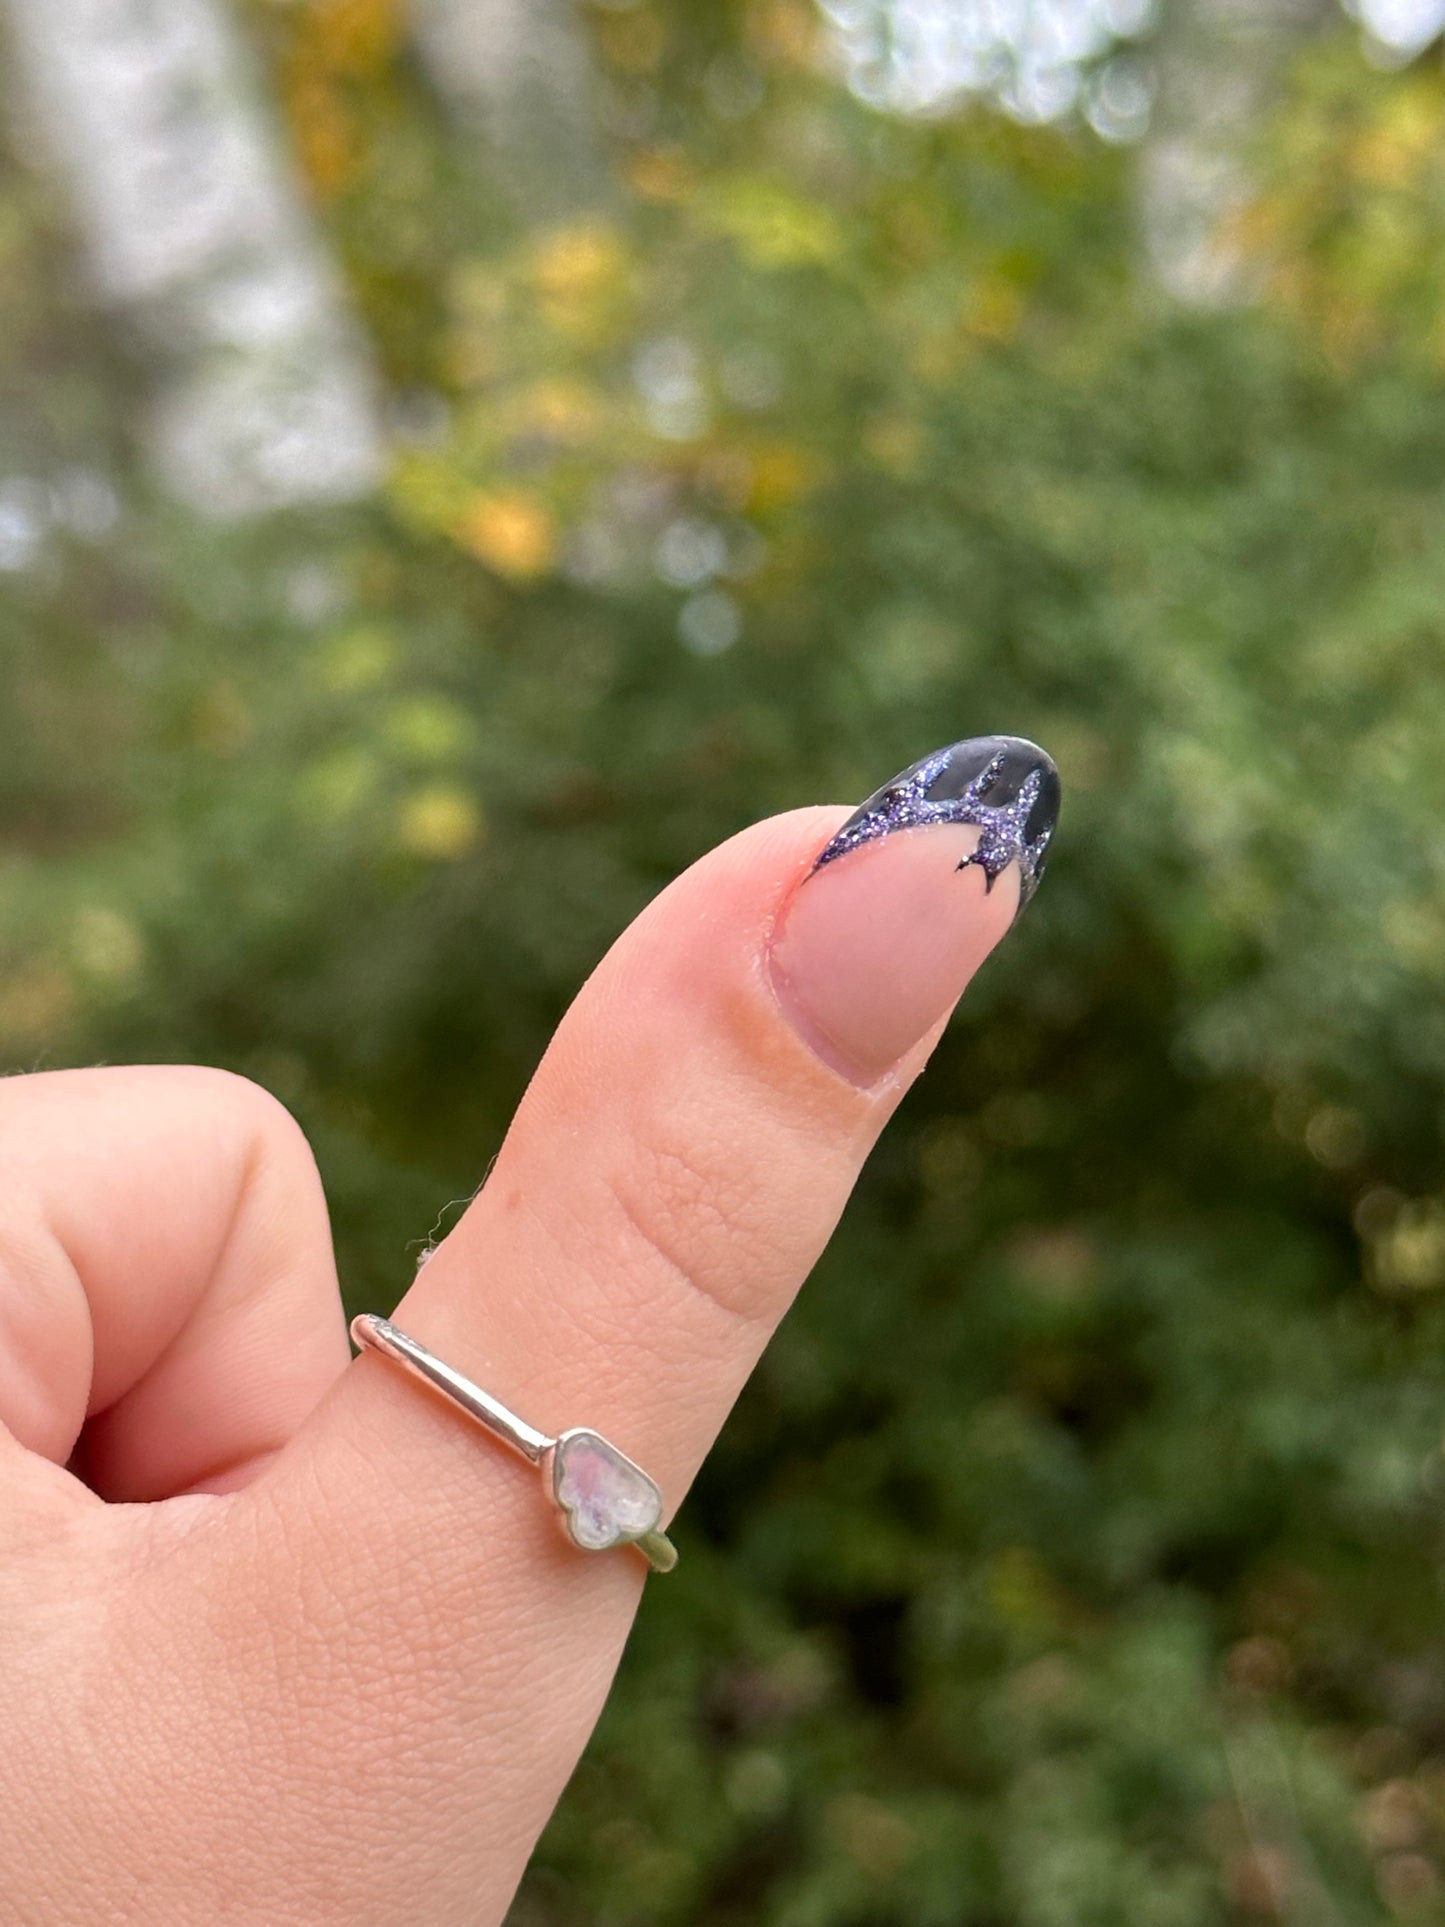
<point>881,938</point>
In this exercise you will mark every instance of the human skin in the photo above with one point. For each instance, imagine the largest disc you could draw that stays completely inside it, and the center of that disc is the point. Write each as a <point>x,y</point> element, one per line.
<point>286,1641</point>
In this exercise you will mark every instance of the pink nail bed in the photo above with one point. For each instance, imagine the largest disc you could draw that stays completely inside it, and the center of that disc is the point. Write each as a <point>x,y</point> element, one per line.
<point>880,940</point>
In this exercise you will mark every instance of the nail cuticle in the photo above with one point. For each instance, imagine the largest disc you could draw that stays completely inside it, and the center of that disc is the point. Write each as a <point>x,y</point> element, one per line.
<point>825,1047</point>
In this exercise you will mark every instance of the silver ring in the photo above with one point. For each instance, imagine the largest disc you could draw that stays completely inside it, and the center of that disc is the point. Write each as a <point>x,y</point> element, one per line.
<point>604,1500</point>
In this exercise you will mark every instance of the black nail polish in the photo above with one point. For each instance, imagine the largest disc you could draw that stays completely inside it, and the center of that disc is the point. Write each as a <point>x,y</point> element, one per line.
<point>1005,785</point>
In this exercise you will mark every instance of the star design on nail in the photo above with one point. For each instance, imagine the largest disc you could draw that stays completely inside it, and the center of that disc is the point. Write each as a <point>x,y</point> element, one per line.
<point>1003,839</point>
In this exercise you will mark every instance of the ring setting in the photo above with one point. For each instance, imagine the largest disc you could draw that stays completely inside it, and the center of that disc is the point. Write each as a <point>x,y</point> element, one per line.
<point>603,1499</point>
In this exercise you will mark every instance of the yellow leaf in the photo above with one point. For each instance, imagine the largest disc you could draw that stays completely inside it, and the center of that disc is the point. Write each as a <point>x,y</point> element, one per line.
<point>441,822</point>
<point>565,411</point>
<point>355,37</point>
<point>784,32</point>
<point>773,227</point>
<point>576,263</point>
<point>427,488</point>
<point>660,174</point>
<point>511,531</point>
<point>994,310</point>
<point>781,473</point>
<point>326,135</point>
<point>1409,1254</point>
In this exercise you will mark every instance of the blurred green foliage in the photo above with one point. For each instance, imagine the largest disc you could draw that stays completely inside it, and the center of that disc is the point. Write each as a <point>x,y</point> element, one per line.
<point>1075,1558</point>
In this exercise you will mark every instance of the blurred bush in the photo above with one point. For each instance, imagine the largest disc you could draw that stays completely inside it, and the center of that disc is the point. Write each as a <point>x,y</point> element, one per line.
<point>1075,1558</point>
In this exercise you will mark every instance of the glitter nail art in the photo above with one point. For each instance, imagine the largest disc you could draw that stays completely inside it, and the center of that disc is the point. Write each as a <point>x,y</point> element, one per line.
<point>1005,786</point>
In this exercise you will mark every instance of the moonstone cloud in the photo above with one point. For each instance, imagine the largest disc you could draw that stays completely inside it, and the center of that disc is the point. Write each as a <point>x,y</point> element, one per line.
<point>606,1498</point>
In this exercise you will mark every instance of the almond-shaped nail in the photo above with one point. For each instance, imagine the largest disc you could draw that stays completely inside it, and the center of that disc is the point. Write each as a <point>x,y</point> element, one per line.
<point>880,940</point>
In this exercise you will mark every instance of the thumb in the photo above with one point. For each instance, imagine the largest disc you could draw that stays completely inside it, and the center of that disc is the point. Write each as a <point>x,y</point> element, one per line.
<point>676,1167</point>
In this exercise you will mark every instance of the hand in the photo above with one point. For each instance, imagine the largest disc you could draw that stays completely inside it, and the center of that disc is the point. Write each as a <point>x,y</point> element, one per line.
<point>340,1666</point>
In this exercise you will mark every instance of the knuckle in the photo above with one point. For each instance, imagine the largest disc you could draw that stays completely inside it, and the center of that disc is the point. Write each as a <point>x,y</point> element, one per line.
<point>276,1226</point>
<point>262,1116</point>
<point>265,1143</point>
<point>699,1216</point>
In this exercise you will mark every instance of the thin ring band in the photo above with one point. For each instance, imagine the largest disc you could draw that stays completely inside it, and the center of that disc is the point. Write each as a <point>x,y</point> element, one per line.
<point>604,1499</point>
